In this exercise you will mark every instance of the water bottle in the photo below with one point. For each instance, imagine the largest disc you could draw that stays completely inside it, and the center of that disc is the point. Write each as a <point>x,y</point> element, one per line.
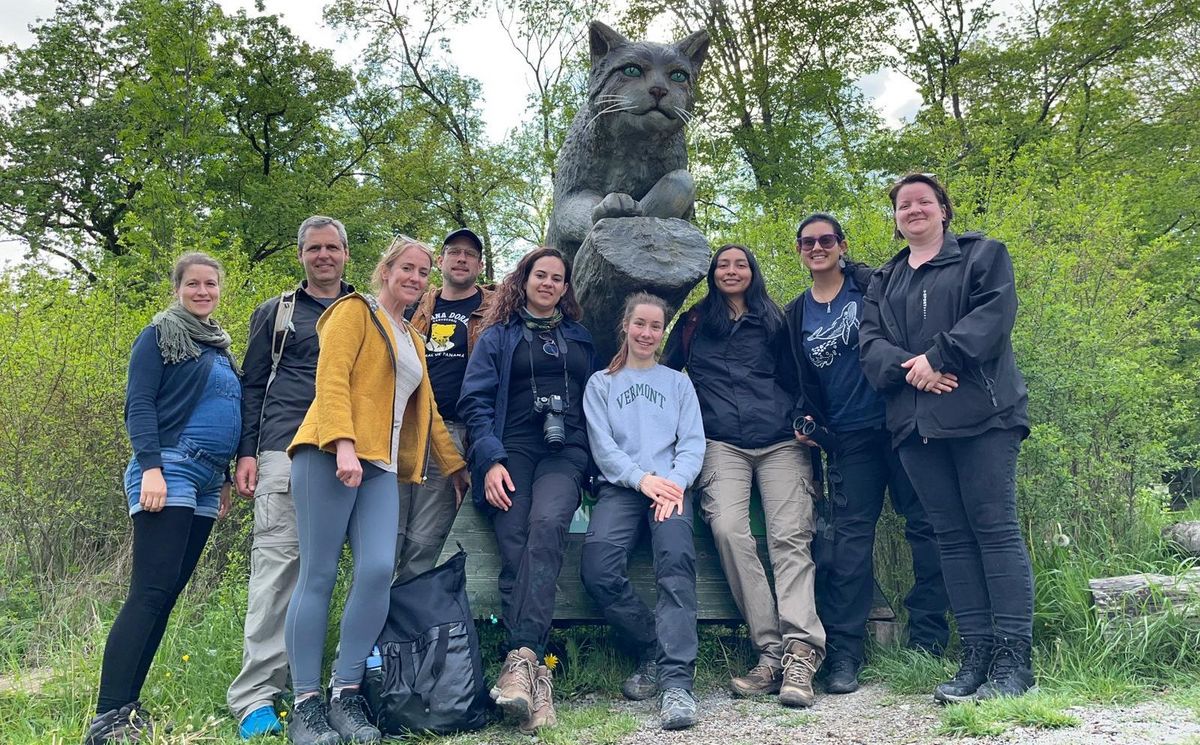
<point>374,673</point>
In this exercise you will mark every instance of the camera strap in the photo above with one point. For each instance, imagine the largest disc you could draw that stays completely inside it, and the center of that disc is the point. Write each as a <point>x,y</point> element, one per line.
<point>562,353</point>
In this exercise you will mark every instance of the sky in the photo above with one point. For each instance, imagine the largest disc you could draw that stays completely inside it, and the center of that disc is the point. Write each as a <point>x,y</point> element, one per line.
<point>480,49</point>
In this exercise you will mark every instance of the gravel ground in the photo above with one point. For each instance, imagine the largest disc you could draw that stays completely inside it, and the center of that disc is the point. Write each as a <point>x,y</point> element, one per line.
<point>876,715</point>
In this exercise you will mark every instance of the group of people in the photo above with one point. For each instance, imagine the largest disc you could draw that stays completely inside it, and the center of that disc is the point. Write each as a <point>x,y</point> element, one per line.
<point>367,418</point>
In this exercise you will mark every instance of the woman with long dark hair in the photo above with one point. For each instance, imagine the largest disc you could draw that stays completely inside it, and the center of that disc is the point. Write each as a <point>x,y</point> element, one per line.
<point>824,323</point>
<point>944,307</point>
<point>183,415</point>
<point>647,438</point>
<point>372,425</point>
<point>522,402</point>
<point>735,346</point>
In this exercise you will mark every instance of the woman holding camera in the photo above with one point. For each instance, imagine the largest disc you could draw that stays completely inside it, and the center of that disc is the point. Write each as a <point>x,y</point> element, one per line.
<point>522,402</point>
<point>945,307</point>
<point>847,418</point>
<point>735,346</point>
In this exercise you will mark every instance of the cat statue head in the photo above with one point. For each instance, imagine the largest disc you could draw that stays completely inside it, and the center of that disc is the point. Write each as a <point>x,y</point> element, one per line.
<point>642,87</point>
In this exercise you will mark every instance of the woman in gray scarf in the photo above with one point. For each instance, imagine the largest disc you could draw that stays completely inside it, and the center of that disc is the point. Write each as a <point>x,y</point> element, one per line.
<point>183,415</point>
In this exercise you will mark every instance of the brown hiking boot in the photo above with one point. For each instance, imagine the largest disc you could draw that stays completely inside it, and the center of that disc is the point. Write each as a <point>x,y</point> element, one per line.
<point>762,680</point>
<point>513,691</point>
<point>543,714</point>
<point>800,663</point>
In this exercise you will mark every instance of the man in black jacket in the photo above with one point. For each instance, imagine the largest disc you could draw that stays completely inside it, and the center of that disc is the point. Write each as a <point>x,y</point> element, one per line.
<point>275,397</point>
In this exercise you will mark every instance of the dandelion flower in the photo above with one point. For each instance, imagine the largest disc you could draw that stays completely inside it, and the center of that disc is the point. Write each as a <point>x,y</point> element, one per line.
<point>187,658</point>
<point>283,715</point>
<point>551,661</point>
<point>168,674</point>
<point>1062,540</point>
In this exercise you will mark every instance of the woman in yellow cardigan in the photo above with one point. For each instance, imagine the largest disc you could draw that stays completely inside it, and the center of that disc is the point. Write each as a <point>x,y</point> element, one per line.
<point>372,424</point>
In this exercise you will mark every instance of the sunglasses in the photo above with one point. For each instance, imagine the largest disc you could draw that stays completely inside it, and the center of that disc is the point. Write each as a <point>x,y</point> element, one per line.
<point>549,346</point>
<point>827,241</point>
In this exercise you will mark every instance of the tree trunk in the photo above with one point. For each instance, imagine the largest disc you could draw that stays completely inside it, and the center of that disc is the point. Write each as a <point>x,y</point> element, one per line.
<point>1146,595</point>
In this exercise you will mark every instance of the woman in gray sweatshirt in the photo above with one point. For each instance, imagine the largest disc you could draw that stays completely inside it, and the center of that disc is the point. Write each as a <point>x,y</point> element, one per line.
<point>647,439</point>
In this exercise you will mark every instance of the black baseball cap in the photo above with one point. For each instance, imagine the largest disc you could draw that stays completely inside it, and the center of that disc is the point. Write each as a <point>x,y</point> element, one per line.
<point>465,233</point>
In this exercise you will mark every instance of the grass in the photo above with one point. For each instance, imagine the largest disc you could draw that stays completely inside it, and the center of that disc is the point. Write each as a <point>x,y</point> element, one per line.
<point>1035,710</point>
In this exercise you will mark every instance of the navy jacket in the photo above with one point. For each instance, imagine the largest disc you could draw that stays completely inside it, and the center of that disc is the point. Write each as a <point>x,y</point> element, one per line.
<point>159,398</point>
<point>964,326</point>
<point>483,403</point>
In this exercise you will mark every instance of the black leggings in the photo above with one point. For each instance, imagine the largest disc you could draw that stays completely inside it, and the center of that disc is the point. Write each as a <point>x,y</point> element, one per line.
<point>166,548</point>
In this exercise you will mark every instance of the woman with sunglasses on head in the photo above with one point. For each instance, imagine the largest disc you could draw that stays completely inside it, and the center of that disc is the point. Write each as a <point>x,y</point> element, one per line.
<point>372,425</point>
<point>522,402</point>
<point>735,346</point>
<point>945,306</point>
<point>824,323</point>
<point>647,437</point>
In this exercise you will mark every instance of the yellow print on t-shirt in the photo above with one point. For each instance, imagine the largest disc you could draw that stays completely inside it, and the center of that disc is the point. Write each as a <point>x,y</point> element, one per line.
<point>441,336</point>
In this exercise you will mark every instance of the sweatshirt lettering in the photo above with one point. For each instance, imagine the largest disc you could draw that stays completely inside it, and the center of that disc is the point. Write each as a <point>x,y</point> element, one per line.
<point>640,390</point>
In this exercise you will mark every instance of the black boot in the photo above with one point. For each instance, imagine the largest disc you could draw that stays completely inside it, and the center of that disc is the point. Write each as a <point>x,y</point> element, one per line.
<point>1012,669</point>
<point>975,660</point>
<point>842,676</point>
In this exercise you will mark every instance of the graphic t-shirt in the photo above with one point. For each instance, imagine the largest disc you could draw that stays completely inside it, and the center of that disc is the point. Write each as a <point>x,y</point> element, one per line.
<point>446,350</point>
<point>831,346</point>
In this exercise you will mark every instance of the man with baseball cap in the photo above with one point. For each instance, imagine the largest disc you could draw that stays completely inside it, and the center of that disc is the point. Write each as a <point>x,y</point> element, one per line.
<point>451,318</point>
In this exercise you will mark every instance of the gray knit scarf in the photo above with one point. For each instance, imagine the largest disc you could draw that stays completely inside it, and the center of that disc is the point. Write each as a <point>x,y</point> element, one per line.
<point>180,335</point>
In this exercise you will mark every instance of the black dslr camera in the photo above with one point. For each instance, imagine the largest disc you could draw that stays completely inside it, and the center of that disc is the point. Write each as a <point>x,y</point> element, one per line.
<point>815,432</point>
<point>554,428</point>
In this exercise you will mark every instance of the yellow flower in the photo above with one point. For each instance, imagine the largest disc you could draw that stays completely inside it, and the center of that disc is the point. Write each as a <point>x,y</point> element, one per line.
<point>187,657</point>
<point>551,662</point>
<point>283,715</point>
<point>168,674</point>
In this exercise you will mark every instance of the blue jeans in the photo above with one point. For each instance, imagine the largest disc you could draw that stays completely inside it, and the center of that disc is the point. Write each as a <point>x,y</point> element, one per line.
<point>193,475</point>
<point>968,486</point>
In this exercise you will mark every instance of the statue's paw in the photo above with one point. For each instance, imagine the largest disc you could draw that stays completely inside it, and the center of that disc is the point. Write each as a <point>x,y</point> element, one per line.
<point>616,205</point>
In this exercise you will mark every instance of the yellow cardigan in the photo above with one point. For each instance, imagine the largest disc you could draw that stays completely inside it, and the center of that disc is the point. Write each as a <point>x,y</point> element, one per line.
<point>356,387</point>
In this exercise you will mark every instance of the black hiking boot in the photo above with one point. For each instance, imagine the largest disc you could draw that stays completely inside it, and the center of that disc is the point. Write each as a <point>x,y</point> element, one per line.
<point>842,675</point>
<point>1012,670</point>
<point>348,715</point>
<point>643,683</point>
<point>309,724</point>
<point>677,709</point>
<point>975,661</point>
<point>130,723</point>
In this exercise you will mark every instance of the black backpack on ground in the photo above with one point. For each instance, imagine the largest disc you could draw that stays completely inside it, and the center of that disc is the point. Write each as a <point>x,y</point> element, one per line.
<point>432,675</point>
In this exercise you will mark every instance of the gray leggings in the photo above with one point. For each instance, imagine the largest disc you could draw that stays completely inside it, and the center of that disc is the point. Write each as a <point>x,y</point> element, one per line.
<point>327,511</point>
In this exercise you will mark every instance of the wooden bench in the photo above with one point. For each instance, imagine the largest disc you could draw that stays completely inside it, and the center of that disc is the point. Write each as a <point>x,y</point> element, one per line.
<point>473,531</point>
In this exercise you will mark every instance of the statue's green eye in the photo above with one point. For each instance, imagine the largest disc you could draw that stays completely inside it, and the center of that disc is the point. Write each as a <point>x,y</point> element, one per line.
<point>679,76</point>
<point>632,71</point>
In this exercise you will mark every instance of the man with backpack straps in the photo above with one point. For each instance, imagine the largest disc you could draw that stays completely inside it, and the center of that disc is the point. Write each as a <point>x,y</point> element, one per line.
<point>450,317</point>
<point>278,385</point>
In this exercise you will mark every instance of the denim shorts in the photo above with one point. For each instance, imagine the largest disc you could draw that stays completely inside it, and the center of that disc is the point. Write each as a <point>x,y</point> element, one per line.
<point>193,475</point>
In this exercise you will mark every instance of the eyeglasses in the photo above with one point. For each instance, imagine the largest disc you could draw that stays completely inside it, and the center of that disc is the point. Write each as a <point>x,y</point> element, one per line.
<point>455,252</point>
<point>549,346</point>
<point>827,241</point>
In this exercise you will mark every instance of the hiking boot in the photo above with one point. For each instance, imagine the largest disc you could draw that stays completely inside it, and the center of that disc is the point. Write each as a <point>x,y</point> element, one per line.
<point>542,714</point>
<point>309,724</point>
<point>513,691</point>
<point>677,709</point>
<point>974,662</point>
<point>643,683</point>
<point>842,675</point>
<point>1012,670</point>
<point>800,663</point>
<point>348,715</point>
<point>130,723</point>
<point>261,722</point>
<point>761,680</point>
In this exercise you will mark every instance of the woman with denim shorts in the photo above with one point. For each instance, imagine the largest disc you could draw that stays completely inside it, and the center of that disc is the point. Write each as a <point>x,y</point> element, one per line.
<point>183,415</point>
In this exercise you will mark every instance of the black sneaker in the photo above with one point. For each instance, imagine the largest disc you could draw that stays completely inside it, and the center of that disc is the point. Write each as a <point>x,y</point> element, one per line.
<point>842,675</point>
<point>643,683</point>
<point>348,715</point>
<point>975,661</point>
<point>1012,670</point>
<point>309,724</point>
<point>677,709</point>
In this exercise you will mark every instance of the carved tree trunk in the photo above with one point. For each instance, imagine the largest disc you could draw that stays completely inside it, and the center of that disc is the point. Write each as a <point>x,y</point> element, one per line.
<point>1185,536</point>
<point>1140,595</point>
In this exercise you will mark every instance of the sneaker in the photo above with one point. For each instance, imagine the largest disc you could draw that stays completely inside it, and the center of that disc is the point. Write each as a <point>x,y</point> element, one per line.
<point>513,691</point>
<point>259,723</point>
<point>1012,670</point>
<point>974,662</point>
<point>761,680</point>
<point>542,714</point>
<point>309,724</point>
<point>842,675</point>
<point>677,709</point>
<point>643,683</point>
<point>800,663</point>
<point>348,715</point>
